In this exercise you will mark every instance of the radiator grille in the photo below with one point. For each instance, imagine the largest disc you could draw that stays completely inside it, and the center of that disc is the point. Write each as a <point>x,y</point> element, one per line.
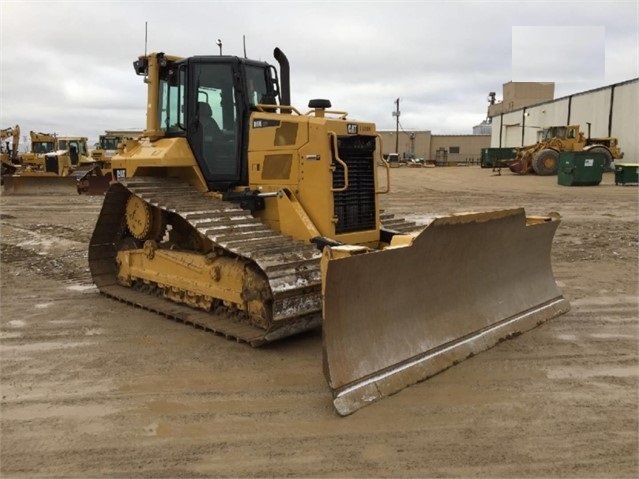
<point>355,207</point>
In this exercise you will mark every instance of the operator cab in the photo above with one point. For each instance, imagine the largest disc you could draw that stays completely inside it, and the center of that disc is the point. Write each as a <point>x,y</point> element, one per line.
<point>208,100</point>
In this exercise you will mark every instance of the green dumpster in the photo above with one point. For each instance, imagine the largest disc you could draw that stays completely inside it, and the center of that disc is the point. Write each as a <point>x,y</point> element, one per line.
<point>580,168</point>
<point>495,157</point>
<point>626,174</point>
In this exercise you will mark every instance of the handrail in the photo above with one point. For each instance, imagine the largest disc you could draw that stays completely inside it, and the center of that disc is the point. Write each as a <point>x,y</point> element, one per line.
<point>386,165</point>
<point>342,114</point>
<point>266,108</point>
<point>339,160</point>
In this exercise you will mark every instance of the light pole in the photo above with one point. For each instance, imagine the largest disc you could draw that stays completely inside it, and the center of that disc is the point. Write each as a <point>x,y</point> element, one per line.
<point>396,115</point>
<point>219,44</point>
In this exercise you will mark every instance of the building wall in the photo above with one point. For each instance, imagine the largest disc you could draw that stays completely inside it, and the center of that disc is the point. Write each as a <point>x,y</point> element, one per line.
<point>625,124</point>
<point>593,106</point>
<point>459,148</point>
<point>419,145</point>
<point>425,145</point>
<point>517,95</point>
<point>525,90</point>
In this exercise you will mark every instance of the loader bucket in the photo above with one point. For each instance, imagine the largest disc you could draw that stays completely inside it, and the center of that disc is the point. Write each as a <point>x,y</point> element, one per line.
<point>397,316</point>
<point>39,185</point>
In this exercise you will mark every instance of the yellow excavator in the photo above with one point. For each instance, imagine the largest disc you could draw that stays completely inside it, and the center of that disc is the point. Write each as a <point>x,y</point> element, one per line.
<point>9,154</point>
<point>237,213</point>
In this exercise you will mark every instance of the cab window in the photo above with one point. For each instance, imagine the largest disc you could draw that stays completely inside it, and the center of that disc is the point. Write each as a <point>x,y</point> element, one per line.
<point>171,110</point>
<point>256,86</point>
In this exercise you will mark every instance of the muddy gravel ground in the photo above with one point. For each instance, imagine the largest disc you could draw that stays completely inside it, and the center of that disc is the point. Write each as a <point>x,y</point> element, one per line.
<point>95,388</point>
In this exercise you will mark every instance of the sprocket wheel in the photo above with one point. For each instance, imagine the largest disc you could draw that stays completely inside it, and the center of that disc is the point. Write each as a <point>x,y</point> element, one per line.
<point>144,221</point>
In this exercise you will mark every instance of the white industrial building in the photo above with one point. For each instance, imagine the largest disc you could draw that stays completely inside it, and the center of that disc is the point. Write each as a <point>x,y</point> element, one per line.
<point>611,111</point>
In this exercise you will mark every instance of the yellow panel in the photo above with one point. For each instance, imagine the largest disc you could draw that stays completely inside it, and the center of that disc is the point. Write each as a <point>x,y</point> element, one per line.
<point>286,134</point>
<point>277,167</point>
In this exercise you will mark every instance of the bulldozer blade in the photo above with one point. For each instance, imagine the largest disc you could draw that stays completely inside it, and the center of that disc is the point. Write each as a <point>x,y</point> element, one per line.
<point>398,316</point>
<point>39,185</point>
<point>94,184</point>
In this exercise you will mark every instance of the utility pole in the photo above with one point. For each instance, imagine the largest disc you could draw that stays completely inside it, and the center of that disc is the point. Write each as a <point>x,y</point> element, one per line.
<point>396,115</point>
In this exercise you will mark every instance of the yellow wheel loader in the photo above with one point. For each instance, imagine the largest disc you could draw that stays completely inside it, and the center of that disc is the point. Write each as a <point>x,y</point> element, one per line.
<point>237,213</point>
<point>542,158</point>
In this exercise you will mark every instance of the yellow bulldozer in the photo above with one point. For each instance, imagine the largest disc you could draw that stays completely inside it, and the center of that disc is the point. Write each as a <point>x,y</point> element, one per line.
<point>237,213</point>
<point>108,144</point>
<point>56,165</point>
<point>542,157</point>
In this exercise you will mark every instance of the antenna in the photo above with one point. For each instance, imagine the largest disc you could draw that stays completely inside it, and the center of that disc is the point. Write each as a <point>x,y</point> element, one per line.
<point>244,44</point>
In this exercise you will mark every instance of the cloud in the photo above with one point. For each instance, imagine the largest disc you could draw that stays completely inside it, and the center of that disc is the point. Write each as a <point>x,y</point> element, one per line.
<point>66,65</point>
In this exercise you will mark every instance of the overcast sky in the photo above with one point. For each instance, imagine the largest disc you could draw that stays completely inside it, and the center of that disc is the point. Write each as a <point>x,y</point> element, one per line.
<point>67,65</point>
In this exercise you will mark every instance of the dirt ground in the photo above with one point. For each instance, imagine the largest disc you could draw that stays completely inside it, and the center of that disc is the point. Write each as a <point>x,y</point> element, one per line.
<point>91,387</point>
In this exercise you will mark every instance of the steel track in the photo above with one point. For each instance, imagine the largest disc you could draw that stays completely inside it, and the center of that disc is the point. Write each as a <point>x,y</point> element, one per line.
<point>292,267</point>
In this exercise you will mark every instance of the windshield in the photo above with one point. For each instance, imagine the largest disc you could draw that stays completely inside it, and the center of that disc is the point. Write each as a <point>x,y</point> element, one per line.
<point>556,132</point>
<point>41,147</point>
<point>78,146</point>
<point>109,143</point>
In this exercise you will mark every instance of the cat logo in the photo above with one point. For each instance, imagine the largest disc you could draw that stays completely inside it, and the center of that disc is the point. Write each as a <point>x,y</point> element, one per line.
<point>351,128</point>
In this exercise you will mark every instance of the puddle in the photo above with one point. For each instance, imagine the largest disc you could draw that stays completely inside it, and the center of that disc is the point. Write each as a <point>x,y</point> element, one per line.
<point>43,244</point>
<point>43,346</point>
<point>567,337</point>
<point>17,323</point>
<point>94,332</point>
<point>10,334</point>
<point>82,287</point>
<point>42,305</point>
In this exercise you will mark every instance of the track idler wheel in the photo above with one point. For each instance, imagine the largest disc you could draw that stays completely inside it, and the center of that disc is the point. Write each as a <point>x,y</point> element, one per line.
<point>144,221</point>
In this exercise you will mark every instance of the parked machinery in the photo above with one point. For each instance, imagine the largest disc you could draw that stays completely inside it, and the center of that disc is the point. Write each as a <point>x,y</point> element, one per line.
<point>237,213</point>
<point>108,143</point>
<point>9,150</point>
<point>542,158</point>
<point>55,164</point>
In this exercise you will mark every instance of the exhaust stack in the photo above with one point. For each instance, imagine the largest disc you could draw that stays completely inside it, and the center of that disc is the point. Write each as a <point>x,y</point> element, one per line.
<point>285,76</point>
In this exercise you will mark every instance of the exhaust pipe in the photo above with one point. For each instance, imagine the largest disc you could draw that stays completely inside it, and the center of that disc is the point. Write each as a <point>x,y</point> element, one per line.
<point>285,76</point>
